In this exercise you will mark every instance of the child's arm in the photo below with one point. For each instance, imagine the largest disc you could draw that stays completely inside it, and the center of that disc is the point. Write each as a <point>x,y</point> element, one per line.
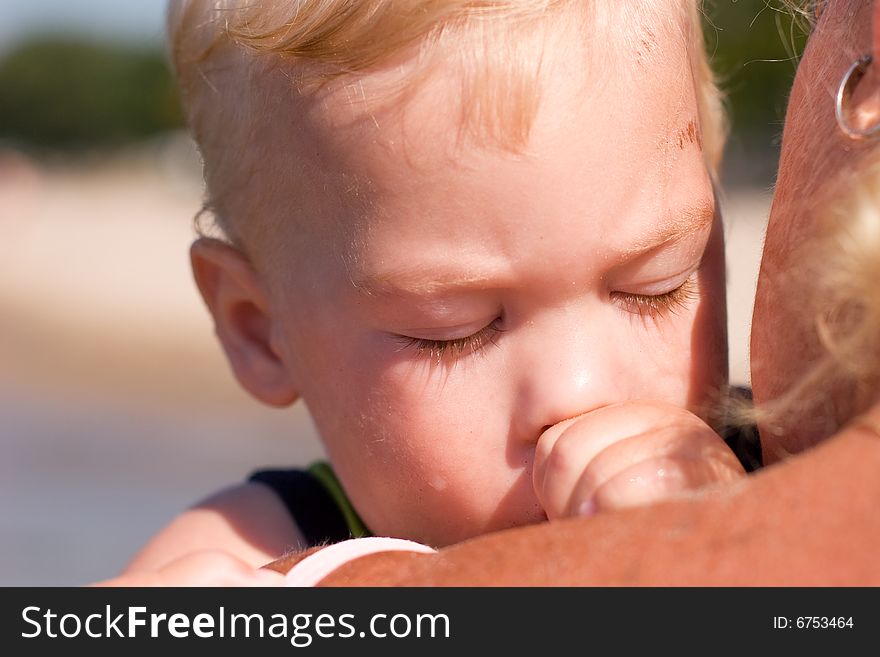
<point>248,522</point>
<point>205,568</point>
<point>627,454</point>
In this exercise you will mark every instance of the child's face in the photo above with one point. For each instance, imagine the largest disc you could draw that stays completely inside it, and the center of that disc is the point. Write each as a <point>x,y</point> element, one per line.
<point>450,301</point>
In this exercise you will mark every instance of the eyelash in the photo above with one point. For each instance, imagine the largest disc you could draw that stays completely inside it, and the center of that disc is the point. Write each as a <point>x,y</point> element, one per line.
<point>437,350</point>
<point>660,305</point>
<point>644,305</point>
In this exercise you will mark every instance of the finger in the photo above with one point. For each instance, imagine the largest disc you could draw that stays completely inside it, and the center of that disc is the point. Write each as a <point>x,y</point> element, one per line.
<point>614,421</point>
<point>650,481</point>
<point>565,450</point>
<point>544,450</point>
<point>656,481</point>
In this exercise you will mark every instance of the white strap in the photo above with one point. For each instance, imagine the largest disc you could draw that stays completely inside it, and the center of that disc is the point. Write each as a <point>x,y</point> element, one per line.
<point>318,565</point>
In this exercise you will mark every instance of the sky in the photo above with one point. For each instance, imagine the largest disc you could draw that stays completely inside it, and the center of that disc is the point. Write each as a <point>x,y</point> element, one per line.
<point>126,20</point>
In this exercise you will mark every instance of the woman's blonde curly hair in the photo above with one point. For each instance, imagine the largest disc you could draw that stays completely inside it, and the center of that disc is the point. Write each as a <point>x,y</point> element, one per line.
<point>838,292</point>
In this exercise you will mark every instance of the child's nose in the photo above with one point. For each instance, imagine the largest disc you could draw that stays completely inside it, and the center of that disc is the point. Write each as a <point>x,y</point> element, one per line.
<point>581,370</point>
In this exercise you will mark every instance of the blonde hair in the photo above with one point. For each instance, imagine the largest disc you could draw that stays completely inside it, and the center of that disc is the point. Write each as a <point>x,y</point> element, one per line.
<point>838,283</point>
<point>318,41</point>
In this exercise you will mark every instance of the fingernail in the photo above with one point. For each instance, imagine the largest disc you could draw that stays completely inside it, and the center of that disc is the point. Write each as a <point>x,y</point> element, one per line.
<point>587,508</point>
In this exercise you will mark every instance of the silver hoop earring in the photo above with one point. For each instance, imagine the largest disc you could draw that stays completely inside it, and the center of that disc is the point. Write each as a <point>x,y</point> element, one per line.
<point>844,92</point>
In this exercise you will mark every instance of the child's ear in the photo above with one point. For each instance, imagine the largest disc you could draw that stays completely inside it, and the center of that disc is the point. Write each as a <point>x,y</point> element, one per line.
<point>242,320</point>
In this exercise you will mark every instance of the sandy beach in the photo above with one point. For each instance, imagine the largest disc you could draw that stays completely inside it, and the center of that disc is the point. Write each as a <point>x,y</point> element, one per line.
<point>117,409</point>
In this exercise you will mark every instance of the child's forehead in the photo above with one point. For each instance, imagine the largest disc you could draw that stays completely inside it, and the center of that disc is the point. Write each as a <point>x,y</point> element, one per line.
<point>333,138</point>
<point>402,177</point>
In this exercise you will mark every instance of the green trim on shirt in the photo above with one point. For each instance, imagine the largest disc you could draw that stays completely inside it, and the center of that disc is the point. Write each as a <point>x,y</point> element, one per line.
<point>323,472</point>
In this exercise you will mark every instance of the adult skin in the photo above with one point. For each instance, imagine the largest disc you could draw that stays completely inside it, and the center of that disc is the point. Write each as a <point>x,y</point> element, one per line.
<point>816,156</point>
<point>811,518</point>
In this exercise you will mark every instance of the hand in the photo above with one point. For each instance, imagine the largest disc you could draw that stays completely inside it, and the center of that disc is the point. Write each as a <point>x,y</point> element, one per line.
<point>627,454</point>
<point>205,568</point>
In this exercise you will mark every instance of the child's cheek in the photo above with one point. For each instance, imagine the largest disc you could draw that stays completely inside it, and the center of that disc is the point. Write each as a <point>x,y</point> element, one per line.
<point>441,458</point>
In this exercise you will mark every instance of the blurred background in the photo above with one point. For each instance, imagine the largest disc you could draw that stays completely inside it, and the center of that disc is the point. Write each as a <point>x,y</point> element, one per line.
<point>117,409</point>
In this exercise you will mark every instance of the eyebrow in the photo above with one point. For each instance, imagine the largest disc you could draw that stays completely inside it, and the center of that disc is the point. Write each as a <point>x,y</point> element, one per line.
<point>681,225</point>
<point>425,280</point>
<point>421,280</point>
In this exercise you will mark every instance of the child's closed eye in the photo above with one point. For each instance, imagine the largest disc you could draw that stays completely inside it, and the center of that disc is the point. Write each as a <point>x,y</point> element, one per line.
<point>437,350</point>
<point>655,306</point>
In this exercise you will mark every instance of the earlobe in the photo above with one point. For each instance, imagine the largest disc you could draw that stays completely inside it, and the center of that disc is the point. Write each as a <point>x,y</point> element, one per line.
<point>857,101</point>
<point>243,320</point>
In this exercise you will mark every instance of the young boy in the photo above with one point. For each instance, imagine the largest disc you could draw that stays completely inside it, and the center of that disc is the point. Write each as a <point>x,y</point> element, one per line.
<point>471,235</point>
